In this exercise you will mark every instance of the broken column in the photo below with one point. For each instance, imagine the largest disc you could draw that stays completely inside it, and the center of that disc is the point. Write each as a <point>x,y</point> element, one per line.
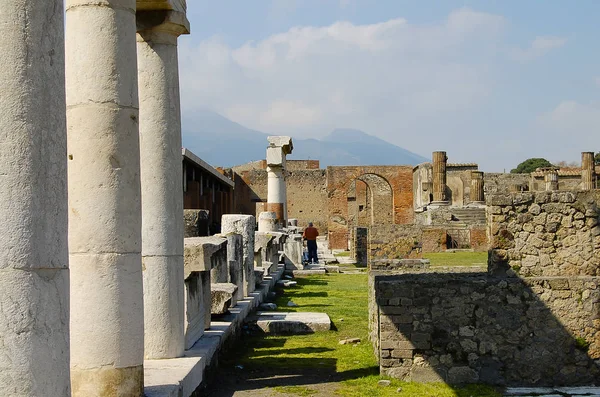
<point>477,193</point>
<point>268,222</point>
<point>161,181</point>
<point>107,323</point>
<point>244,225</point>
<point>279,147</point>
<point>439,177</point>
<point>588,172</point>
<point>551,179</point>
<point>34,274</point>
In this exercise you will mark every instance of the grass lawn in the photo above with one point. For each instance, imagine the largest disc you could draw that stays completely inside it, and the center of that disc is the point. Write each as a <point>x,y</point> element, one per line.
<point>353,367</point>
<point>458,258</point>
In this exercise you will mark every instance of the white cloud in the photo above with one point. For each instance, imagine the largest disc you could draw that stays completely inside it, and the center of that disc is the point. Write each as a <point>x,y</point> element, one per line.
<point>597,81</point>
<point>384,78</point>
<point>570,128</point>
<point>539,47</point>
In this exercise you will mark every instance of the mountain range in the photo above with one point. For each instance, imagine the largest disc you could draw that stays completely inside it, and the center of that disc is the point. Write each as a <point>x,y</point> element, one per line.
<point>224,143</point>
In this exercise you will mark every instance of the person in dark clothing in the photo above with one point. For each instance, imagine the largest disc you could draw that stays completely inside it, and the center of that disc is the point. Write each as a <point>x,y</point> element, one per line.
<point>310,235</point>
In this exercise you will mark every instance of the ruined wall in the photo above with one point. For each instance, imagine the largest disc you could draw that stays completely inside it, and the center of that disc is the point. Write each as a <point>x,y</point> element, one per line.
<point>306,193</point>
<point>531,319</point>
<point>307,198</point>
<point>411,241</point>
<point>503,182</point>
<point>395,241</point>
<point>400,180</point>
<point>545,233</point>
<point>474,328</point>
<point>404,241</point>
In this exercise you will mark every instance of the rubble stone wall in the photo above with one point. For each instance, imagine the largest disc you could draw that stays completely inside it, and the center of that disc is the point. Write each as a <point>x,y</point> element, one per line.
<point>460,328</point>
<point>544,233</point>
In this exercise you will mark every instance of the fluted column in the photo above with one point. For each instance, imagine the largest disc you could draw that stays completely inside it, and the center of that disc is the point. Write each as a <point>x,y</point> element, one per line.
<point>439,176</point>
<point>34,274</point>
<point>161,181</point>
<point>107,324</point>
<point>588,173</point>
<point>551,180</point>
<point>477,193</point>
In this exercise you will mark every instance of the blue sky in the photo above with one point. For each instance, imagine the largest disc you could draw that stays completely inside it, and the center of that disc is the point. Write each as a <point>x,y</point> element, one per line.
<point>493,82</point>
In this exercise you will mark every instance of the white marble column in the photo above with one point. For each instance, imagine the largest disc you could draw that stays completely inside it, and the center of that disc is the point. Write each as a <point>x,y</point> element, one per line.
<point>107,323</point>
<point>279,147</point>
<point>161,181</point>
<point>34,275</point>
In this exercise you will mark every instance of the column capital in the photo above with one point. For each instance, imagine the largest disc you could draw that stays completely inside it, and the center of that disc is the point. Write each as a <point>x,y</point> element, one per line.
<point>177,5</point>
<point>174,23</point>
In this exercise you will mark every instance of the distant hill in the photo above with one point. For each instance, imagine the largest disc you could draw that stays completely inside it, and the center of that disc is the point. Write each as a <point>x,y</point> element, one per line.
<point>224,143</point>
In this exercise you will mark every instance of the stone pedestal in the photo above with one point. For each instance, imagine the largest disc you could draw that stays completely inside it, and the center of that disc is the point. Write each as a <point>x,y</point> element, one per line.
<point>235,257</point>
<point>107,317</point>
<point>477,192</point>
<point>34,274</point>
<point>244,225</point>
<point>439,176</point>
<point>161,181</point>
<point>588,174</point>
<point>361,245</point>
<point>279,147</point>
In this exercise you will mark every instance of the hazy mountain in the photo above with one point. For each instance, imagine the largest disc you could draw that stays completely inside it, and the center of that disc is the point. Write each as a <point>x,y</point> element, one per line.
<point>222,142</point>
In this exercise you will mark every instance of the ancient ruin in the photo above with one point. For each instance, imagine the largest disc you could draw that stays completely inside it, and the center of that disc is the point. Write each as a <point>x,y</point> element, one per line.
<point>127,262</point>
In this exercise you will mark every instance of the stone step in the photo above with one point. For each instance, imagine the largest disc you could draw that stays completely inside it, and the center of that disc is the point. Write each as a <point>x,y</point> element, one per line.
<point>292,323</point>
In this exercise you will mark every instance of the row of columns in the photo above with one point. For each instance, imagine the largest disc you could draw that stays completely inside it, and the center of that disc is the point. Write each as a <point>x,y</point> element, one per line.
<point>588,174</point>
<point>124,259</point>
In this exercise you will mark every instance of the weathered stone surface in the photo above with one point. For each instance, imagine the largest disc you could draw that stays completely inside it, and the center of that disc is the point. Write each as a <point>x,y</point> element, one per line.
<point>199,253</point>
<point>195,223</point>
<point>235,258</point>
<point>243,225</point>
<point>34,264</point>
<point>497,330</point>
<point>553,236</point>
<point>293,323</point>
<point>223,296</point>
<point>105,222</point>
<point>293,252</point>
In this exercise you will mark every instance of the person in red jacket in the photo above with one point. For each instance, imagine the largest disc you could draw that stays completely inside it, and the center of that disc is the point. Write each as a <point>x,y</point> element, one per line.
<point>310,235</point>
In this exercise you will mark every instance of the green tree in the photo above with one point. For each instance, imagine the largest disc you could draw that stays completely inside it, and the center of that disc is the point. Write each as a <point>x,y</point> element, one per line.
<point>530,165</point>
<point>597,158</point>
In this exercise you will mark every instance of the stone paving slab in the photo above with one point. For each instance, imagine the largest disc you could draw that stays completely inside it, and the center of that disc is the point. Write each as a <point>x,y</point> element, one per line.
<point>293,323</point>
<point>582,391</point>
<point>180,377</point>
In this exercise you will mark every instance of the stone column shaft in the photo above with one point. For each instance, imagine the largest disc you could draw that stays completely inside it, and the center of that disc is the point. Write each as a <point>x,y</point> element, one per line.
<point>588,173</point>
<point>279,147</point>
<point>276,193</point>
<point>162,185</point>
<point>551,180</point>
<point>107,324</point>
<point>439,176</point>
<point>34,274</point>
<point>477,193</point>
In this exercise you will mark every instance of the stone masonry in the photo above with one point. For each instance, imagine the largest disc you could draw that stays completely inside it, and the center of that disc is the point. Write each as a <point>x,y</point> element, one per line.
<point>545,233</point>
<point>530,320</point>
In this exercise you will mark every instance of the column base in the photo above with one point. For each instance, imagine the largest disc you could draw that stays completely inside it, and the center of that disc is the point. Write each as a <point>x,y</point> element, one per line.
<point>108,381</point>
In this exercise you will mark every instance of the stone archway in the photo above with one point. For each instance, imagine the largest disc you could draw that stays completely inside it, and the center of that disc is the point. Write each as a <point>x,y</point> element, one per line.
<point>388,199</point>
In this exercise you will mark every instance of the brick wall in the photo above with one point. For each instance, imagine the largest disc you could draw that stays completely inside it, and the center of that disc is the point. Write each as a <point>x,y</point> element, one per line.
<point>339,179</point>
